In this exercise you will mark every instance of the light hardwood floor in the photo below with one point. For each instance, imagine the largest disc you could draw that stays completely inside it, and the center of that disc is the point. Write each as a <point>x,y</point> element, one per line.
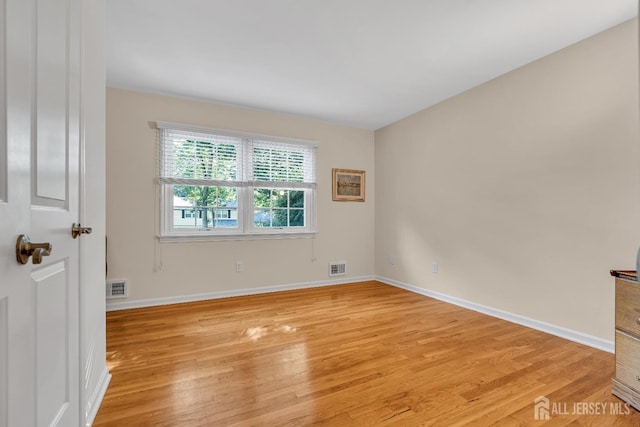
<point>358,354</point>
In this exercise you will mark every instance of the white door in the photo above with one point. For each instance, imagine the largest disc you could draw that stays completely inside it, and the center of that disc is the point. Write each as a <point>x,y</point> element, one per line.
<point>39,143</point>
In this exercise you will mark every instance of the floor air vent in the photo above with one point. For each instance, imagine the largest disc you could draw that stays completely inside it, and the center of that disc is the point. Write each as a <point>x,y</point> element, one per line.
<point>337,268</point>
<point>117,289</point>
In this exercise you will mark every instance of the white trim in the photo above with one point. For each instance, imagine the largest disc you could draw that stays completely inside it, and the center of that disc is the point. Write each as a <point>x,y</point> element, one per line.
<point>94,402</point>
<point>559,331</point>
<point>232,293</point>
<point>204,237</point>
<point>232,133</point>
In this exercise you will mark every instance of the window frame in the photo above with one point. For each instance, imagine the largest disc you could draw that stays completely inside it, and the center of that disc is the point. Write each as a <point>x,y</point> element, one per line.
<point>246,228</point>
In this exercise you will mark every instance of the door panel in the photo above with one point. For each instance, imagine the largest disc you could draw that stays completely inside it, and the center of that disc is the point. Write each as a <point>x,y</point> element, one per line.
<point>51,103</point>
<point>52,318</point>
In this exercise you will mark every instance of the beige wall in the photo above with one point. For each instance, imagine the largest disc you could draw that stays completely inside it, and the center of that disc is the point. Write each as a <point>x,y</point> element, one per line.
<point>524,189</point>
<point>345,230</point>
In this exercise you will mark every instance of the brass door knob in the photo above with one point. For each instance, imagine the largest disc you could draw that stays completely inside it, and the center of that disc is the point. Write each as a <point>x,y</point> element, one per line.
<point>25,249</point>
<point>77,229</point>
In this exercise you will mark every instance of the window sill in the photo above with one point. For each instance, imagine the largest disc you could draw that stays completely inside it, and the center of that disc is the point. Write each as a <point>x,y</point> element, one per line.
<point>234,237</point>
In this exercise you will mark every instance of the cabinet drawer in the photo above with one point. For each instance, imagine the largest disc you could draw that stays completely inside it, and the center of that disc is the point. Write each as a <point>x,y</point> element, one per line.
<point>628,377</point>
<point>628,307</point>
<point>628,360</point>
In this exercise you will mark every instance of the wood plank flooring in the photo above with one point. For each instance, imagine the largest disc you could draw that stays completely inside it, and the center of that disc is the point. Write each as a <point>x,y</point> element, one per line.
<point>362,354</point>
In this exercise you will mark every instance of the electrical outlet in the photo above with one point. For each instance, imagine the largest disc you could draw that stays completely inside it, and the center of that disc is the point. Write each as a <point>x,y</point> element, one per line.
<point>392,260</point>
<point>434,267</point>
<point>239,267</point>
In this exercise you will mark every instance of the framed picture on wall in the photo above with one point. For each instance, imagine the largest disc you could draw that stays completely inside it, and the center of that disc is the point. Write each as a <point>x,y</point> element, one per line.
<point>348,185</point>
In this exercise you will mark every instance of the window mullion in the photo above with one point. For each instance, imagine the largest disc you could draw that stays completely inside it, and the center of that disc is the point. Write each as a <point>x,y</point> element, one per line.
<point>247,192</point>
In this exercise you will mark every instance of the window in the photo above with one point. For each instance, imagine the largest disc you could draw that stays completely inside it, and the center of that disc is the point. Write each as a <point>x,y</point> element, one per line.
<point>221,183</point>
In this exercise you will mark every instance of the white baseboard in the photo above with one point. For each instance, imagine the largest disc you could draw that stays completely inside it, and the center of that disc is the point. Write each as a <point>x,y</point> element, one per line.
<point>94,402</point>
<point>571,335</point>
<point>112,306</point>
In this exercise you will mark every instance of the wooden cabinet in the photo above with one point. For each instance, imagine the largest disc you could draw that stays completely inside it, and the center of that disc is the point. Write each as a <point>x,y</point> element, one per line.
<point>626,384</point>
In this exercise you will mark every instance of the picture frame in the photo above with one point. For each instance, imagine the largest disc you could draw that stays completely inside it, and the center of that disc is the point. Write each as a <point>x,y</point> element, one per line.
<point>348,185</point>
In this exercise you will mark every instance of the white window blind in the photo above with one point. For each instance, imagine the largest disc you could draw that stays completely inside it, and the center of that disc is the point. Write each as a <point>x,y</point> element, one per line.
<point>191,158</point>
<point>277,165</point>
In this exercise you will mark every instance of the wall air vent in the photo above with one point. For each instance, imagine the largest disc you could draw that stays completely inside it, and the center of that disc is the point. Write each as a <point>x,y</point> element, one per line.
<point>338,268</point>
<point>117,288</point>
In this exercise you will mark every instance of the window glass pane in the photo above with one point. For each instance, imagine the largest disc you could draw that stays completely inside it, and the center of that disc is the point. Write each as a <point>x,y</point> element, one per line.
<point>296,199</point>
<point>262,198</point>
<point>197,206</point>
<point>278,208</point>
<point>280,198</point>
<point>262,218</point>
<point>296,217</point>
<point>280,217</point>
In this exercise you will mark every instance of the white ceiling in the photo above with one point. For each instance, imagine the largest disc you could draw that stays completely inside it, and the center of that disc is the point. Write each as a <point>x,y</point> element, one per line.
<point>363,63</point>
